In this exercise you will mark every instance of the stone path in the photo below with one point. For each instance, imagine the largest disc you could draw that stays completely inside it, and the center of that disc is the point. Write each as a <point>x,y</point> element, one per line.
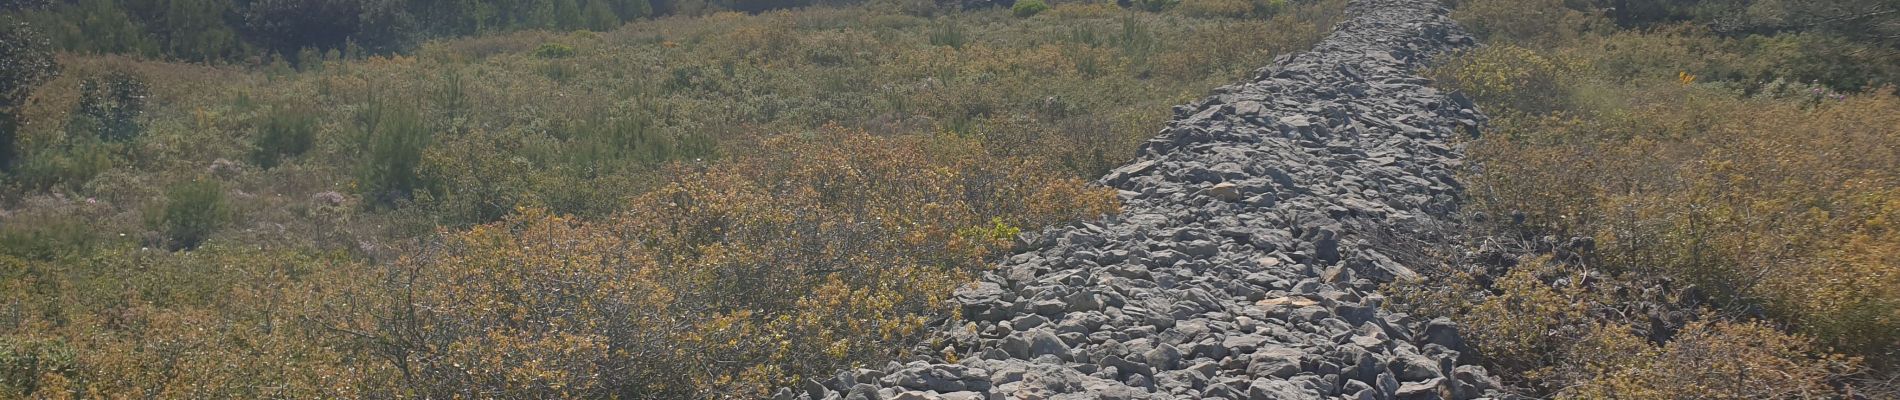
<point>1247,261</point>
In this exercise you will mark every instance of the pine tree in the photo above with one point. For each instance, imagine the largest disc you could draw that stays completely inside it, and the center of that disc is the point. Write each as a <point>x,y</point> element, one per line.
<point>633,9</point>
<point>567,14</point>
<point>26,59</point>
<point>600,16</point>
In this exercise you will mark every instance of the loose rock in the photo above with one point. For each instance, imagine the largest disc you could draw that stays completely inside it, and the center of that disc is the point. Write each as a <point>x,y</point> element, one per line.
<point>1255,231</point>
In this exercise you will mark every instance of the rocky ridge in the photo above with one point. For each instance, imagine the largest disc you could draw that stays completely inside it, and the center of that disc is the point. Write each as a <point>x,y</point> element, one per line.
<point>1247,261</point>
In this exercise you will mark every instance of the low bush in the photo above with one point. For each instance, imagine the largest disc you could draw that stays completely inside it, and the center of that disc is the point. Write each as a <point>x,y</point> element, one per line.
<point>286,132</point>
<point>1028,8</point>
<point>395,136</point>
<point>1686,156</point>
<point>1231,8</point>
<point>1576,334</point>
<point>1508,78</point>
<point>783,264</point>
<point>70,165</point>
<point>53,233</point>
<point>1154,5</point>
<point>554,50</point>
<point>26,362</point>
<point>192,212</point>
<point>948,33</point>
<point>1735,360</point>
<point>1536,23</point>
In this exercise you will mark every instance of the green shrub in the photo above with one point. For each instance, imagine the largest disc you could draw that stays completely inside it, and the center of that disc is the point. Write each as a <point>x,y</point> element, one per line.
<point>192,211</point>
<point>559,72</point>
<point>451,96</point>
<point>1508,78</point>
<point>1154,5</point>
<point>287,132</point>
<point>396,137</point>
<point>632,137</point>
<point>1529,22</point>
<point>1687,155</point>
<point>72,164</point>
<point>110,107</point>
<point>1028,8</point>
<point>706,263</point>
<point>1231,8</point>
<point>948,32</point>
<point>1544,326</point>
<point>47,235</point>
<point>24,362</point>
<point>554,50</point>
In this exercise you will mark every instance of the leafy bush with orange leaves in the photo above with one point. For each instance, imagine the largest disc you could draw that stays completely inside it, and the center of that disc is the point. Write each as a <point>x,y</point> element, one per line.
<point>1573,333</point>
<point>217,322</point>
<point>1756,201</point>
<point>1769,203</point>
<point>799,260</point>
<point>1715,359</point>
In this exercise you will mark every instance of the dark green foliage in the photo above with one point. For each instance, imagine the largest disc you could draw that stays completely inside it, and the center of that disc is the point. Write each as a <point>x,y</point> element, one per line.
<point>196,30</point>
<point>191,29</point>
<point>762,5</point>
<point>599,16</point>
<point>633,9</point>
<point>73,164</point>
<point>1028,8</point>
<point>1846,45</point>
<point>451,97</point>
<point>286,132</point>
<point>1153,5</point>
<point>633,136</point>
<point>110,107</point>
<point>285,26</point>
<point>12,5</point>
<point>554,50</point>
<point>1872,21</point>
<point>192,211</point>
<point>396,137</point>
<point>94,26</point>
<point>48,236</point>
<point>9,130</point>
<point>948,33</point>
<point>25,61</point>
<point>213,30</point>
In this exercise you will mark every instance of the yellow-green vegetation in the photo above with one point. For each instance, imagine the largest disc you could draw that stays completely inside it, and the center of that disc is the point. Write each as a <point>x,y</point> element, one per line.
<point>685,207</point>
<point>1028,8</point>
<point>798,260</point>
<point>1561,330</point>
<point>1757,172</point>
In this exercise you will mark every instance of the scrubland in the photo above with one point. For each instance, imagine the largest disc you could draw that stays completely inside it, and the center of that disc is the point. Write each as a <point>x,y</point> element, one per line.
<point>712,203</point>
<point>689,206</point>
<point>1713,204</point>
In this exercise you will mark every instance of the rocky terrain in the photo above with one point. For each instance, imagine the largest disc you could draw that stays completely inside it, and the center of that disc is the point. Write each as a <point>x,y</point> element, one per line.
<point>1246,264</point>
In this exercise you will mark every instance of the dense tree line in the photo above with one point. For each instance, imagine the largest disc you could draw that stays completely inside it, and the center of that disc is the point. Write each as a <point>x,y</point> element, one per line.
<point>1874,21</point>
<point>25,61</point>
<point>215,30</point>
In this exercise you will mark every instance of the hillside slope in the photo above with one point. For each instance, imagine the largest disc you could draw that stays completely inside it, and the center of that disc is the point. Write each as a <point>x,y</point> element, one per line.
<point>1247,259</point>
